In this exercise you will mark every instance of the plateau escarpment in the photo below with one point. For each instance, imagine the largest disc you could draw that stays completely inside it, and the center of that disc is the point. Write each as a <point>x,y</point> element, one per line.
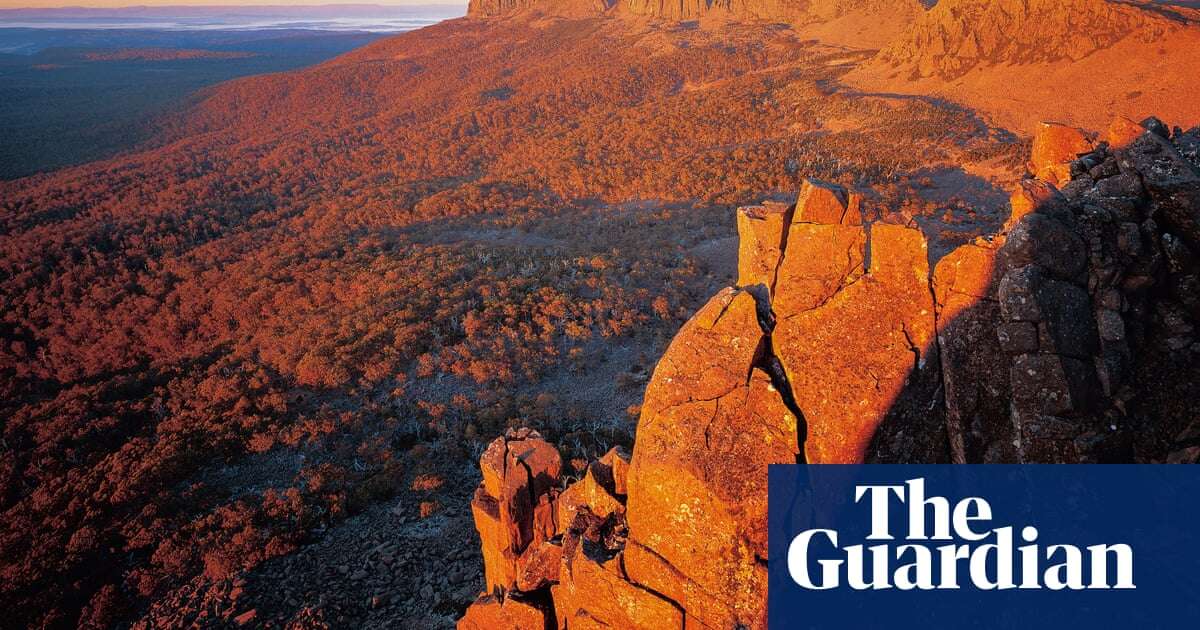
<point>1082,61</point>
<point>791,11</point>
<point>1021,61</point>
<point>1068,337</point>
<point>957,35</point>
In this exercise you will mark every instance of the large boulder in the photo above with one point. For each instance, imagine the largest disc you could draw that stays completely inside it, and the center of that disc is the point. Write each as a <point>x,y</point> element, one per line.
<point>762,231</point>
<point>869,331</point>
<point>492,613</point>
<point>513,505</point>
<point>830,204</point>
<point>1055,146</point>
<point>712,422</point>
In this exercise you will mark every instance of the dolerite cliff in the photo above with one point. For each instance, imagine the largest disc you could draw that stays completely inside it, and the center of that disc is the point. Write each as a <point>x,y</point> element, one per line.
<point>1069,337</point>
<point>490,8</point>
<point>957,35</point>
<point>493,8</point>
<point>793,11</point>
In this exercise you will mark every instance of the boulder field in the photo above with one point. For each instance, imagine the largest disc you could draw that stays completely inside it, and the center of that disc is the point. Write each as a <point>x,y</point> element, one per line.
<point>1069,337</point>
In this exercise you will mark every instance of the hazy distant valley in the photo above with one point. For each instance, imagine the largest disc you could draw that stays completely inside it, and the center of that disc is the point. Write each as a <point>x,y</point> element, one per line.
<point>80,85</point>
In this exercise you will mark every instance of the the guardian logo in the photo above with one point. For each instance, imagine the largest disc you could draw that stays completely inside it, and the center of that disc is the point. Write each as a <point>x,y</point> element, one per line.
<point>972,554</point>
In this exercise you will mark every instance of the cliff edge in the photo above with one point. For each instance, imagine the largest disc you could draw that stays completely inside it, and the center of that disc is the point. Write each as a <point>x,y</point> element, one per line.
<point>1069,337</point>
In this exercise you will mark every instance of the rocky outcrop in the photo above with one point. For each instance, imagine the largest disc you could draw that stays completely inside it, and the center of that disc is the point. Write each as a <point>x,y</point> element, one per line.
<point>554,553</point>
<point>712,421</point>
<point>1068,337</point>
<point>957,35</point>
<point>514,508</point>
<point>1088,306</point>
<point>1022,346</point>
<point>493,8</point>
<point>791,11</point>
<point>831,284</point>
<point>1054,148</point>
<point>490,8</point>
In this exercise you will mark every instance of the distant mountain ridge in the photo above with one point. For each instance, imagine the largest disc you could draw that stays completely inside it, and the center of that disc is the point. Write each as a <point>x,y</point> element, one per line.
<point>793,11</point>
<point>1016,61</point>
<point>957,35</point>
<point>935,37</point>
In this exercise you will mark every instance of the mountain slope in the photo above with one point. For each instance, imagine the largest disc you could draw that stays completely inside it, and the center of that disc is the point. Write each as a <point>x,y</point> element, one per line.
<point>295,315</point>
<point>789,11</point>
<point>1019,62</point>
<point>957,35</point>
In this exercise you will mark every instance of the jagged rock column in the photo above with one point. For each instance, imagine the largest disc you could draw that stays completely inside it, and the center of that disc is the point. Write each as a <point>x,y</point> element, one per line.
<point>712,421</point>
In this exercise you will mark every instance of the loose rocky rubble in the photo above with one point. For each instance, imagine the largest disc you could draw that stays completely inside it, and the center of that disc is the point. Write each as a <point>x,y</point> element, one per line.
<point>1068,337</point>
<point>388,567</point>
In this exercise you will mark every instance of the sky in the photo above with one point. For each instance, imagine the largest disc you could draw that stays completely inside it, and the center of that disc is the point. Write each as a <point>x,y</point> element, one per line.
<point>108,4</point>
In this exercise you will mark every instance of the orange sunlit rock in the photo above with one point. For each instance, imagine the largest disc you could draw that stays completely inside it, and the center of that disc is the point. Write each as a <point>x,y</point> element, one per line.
<point>491,464</point>
<point>1123,131</point>
<point>594,592</point>
<point>538,566</point>
<point>489,613</point>
<point>822,202</point>
<point>697,498</point>
<point>540,459</point>
<point>499,561</point>
<point>1029,195</point>
<point>1055,146</point>
<point>761,233</point>
<point>697,494</point>
<point>615,466</point>
<point>597,491</point>
<point>826,258</point>
<point>711,354</point>
<point>868,333</point>
<point>523,470</point>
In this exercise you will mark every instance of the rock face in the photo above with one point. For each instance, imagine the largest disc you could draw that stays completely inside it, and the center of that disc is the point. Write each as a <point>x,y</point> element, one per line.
<point>1081,304</point>
<point>554,556</point>
<point>513,507</point>
<point>1069,337</point>
<point>869,325</point>
<point>956,35</point>
<point>762,235</point>
<point>490,8</point>
<point>793,11</point>
<point>712,422</point>
<point>1055,146</point>
<point>493,8</point>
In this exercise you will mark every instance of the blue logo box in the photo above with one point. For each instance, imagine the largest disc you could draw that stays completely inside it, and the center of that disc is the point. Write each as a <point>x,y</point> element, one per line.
<point>985,546</point>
